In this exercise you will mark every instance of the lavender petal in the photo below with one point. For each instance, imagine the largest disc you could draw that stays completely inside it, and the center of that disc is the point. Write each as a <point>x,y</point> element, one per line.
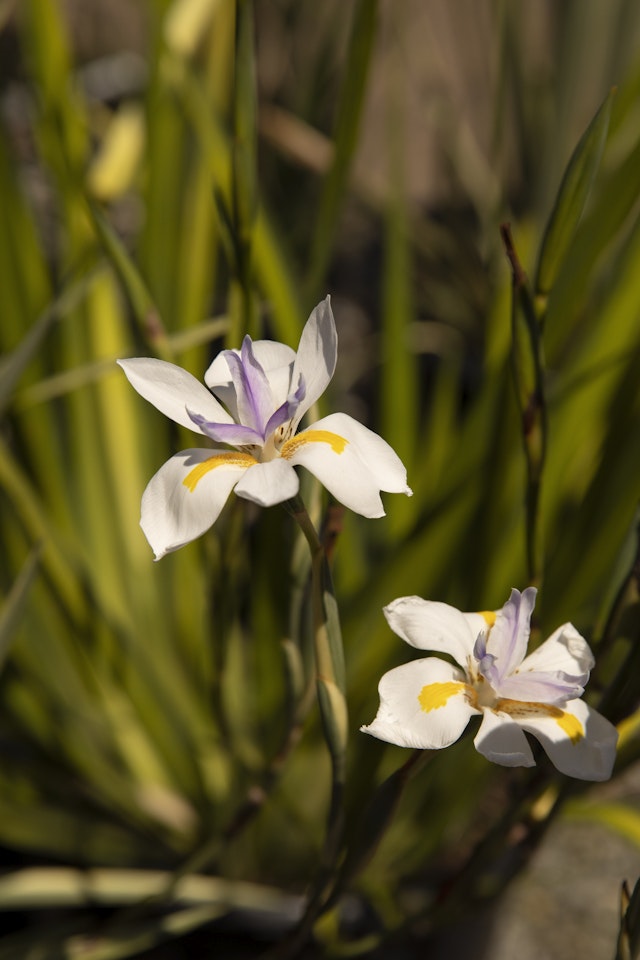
<point>235,434</point>
<point>286,411</point>
<point>509,635</point>
<point>253,393</point>
<point>538,687</point>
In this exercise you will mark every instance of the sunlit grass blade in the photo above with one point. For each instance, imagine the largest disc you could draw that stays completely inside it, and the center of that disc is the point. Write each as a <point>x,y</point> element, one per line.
<point>62,121</point>
<point>594,408</point>
<point>571,199</point>
<point>621,817</point>
<point>89,373</point>
<point>113,169</point>
<point>144,308</point>
<point>604,228</point>
<point>24,275</point>
<point>24,500</point>
<point>13,365</point>
<point>72,835</point>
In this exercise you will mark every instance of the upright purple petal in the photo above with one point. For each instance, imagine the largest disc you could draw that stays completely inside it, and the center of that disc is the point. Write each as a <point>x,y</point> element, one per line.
<point>253,393</point>
<point>286,411</point>
<point>276,359</point>
<point>509,636</point>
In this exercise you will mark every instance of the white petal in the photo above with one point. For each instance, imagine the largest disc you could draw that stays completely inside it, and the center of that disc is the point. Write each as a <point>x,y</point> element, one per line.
<point>316,356</point>
<point>565,651</point>
<point>430,625</point>
<point>276,359</point>
<point>269,483</point>
<point>174,513</point>
<point>501,740</point>
<point>478,623</point>
<point>171,389</point>
<point>355,471</point>
<point>401,719</point>
<point>380,459</point>
<point>589,756</point>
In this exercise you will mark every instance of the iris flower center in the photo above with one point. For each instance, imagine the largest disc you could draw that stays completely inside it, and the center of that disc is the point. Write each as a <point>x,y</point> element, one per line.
<point>272,445</point>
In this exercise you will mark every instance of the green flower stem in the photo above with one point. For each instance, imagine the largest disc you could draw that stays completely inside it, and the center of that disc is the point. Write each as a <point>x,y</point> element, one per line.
<point>330,683</point>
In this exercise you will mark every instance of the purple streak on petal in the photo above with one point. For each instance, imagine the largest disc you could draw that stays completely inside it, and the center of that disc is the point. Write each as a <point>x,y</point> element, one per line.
<point>235,434</point>
<point>286,410</point>
<point>253,393</point>
<point>539,687</point>
<point>480,648</point>
<point>509,636</point>
<point>486,661</point>
<point>489,670</point>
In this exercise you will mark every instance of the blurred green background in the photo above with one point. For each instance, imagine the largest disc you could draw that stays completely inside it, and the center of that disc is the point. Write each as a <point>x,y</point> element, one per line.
<point>176,174</point>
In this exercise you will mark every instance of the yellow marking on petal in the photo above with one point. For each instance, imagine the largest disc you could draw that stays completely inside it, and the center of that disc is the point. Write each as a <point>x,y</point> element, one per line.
<point>489,616</point>
<point>523,710</point>
<point>335,441</point>
<point>436,695</point>
<point>571,726</point>
<point>230,459</point>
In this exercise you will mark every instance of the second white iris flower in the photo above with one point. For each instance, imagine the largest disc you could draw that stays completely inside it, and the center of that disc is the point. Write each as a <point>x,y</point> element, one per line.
<point>427,703</point>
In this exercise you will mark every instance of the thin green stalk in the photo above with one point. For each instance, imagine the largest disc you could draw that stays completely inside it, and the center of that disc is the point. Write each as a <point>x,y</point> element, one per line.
<point>330,682</point>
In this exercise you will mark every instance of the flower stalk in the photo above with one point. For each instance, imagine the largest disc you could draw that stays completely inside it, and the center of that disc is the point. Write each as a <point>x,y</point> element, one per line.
<point>330,684</point>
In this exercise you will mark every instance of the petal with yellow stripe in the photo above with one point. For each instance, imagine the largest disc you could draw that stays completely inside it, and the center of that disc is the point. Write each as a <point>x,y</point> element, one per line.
<point>423,704</point>
<point>352,462</point>
<point>186,495</point>
<point>578,740</point>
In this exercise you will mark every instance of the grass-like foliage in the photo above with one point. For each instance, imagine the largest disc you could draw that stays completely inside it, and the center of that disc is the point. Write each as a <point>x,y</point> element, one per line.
<point>160,723</point>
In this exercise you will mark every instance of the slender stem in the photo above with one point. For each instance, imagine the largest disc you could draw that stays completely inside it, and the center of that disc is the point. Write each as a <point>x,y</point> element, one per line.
<point>330,680</point>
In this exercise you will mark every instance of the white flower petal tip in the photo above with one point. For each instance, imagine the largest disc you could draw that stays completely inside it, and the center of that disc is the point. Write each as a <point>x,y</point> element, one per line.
<point>253,401</point>
<point>427,703</point>
<point>351,461</point>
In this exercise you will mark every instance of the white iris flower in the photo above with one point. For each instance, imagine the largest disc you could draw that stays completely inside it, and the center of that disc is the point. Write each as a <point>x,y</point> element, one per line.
<point>427,704</point>
<point>256,398</point>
